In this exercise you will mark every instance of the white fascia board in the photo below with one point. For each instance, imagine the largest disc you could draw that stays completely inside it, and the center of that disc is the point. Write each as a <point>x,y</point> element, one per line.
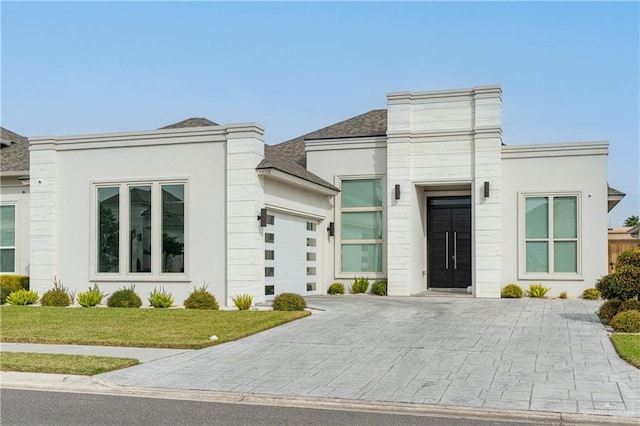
<point>346,143</point>
<point>437,94</point>
<point>555,150</point>
<point>296,181</point>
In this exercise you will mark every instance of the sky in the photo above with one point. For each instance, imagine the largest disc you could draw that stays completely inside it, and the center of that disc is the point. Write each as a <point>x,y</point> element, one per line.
<point>569,72</point>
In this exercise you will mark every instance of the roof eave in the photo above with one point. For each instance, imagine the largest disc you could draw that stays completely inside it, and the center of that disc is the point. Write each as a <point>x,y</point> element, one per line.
<point>273,173</point>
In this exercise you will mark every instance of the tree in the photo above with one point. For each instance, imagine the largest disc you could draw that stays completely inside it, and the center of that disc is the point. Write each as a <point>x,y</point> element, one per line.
<point>631,221</point>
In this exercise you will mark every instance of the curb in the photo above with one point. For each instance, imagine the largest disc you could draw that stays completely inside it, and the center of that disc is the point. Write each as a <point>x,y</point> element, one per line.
<point>86,384</point>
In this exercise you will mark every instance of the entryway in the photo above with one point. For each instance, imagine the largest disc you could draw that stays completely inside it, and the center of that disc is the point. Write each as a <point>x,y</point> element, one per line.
<point>449,242</point>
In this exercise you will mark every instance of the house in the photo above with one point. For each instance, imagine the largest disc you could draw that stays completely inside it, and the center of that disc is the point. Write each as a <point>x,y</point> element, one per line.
<point>424,194</point>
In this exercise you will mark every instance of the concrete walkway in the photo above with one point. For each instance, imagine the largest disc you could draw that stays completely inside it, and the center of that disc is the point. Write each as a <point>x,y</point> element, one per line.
<point>540,355</point>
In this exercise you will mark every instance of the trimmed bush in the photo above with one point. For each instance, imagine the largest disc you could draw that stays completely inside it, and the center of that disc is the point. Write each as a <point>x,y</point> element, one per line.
<point>608,310</point>
<point>10,283</point>
<point>288,302</point>
<point>124,298</point>
<point>537,290</point>
<point>200,298</point>
<point>629,258</point>
<point>628,305</point>
<point>360,285</point>
<point>511,291</point>
<point>23,297</point>
<point>626,322</point>
<point>563,295</point>
<point>623,284</point>
<point>91,297</point>
<point>336,288</point>
<point>57,296</point>
<point>160,298</point>
<point>591,294</point>
<point>243,301</point>
<point>379,288</point>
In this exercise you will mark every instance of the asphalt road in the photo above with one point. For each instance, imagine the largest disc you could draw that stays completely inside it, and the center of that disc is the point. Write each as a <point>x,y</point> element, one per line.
<point>25,407</point>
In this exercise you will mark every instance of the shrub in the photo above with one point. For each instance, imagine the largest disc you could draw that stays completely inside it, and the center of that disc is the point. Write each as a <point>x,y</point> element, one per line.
<point>288,302</point>
<point>160,298</point>
<point>336,288</point>
<point>360,285</point>
<point>22,297</point>
<point>608,310</point>
<point>623,284</point>
<point>124,298</point>
<point>10,283</point>
<point>379,288</point>
<point>537,290</point>
<point>511,291</point>
<point>200,298</point>
<point>629,258</point>
<point>591,294</point>
<point>563,295</point>
<point>91,297</point>
<point>57,296</point>
<point>243,301</point>
<point>628,305</point>
<point>626,322</point>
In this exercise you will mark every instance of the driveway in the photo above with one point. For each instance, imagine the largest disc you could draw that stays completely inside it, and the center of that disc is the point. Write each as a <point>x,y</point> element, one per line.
<point>523,354</point>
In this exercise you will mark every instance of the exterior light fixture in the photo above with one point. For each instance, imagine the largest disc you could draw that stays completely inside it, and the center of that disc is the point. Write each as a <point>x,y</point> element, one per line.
<point>397,191</point>
<point>331,229</point>
<point>486,190</point>
<point>263,218</point>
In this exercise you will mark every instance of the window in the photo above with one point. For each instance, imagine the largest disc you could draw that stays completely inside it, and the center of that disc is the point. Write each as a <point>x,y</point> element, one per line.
<point>140,228</point>
<point>551,234</point>
<point>361,233</point>
<point>8,238</point>
<point>271,219</point>
<point>269,237</point>
<point>269,255</point>
<point>269,271</point>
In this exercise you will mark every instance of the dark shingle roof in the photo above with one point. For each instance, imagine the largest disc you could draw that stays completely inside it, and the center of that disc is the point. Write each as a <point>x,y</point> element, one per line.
<point>190,122</point>
<point>612,192</point>
<point>372,123</point>
<point>14,155</point>
<point>273,159</point>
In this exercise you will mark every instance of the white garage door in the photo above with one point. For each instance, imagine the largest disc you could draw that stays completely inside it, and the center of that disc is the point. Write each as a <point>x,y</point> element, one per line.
<point>290,252</point>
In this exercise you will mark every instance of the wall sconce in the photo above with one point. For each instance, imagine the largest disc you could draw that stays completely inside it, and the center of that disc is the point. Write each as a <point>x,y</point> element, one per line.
<point>397,192</point>
<point>486,190</point>
<point>331,229</point>
<point>263,218</point>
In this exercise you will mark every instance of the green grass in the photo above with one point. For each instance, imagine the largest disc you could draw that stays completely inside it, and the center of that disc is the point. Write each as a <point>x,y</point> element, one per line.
<point>147,328</point>
<point>628,347</point>
<point>61,364</point>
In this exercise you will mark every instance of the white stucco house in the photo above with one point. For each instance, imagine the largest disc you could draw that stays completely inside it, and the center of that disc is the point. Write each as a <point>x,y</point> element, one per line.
<point>424,194</point>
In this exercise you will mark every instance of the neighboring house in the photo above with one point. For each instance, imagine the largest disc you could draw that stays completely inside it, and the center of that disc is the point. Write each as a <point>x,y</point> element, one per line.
<point>423,194</point>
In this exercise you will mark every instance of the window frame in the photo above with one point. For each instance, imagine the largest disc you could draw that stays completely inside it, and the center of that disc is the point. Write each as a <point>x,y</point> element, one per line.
<point>338,228</point>
<point>550,239</point>
<point>16,219</point>
<point>124,273</point>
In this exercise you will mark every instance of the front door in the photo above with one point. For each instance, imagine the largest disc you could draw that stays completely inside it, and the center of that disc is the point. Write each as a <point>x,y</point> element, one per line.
<point>449,242</point>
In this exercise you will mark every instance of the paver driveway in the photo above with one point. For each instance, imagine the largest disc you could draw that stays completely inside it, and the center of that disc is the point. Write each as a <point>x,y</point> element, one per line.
<point>548,355</point>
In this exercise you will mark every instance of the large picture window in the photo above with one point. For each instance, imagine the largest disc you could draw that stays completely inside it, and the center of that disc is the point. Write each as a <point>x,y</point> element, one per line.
<point>151,239</point>
<point>8,238</point>
<point>361,232</point>
<point>551,234</point>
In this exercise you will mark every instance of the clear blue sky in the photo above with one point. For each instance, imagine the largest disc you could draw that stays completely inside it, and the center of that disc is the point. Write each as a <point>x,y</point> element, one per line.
<point>569,71</point>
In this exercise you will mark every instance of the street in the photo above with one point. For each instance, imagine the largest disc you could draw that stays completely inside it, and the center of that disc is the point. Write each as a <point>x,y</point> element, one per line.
<point>25,407</point>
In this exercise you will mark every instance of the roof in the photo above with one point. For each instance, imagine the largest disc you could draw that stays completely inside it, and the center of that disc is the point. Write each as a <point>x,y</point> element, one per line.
<point>273,159</point>
<point>372,123</point>
<point>612,192</point>
<point>191,122</point>
<point>14,154</point>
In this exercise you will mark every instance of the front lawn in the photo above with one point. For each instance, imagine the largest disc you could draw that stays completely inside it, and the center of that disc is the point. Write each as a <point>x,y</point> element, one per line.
<point>85,365</point>
<point>151,328</point>
<point>628,347</point>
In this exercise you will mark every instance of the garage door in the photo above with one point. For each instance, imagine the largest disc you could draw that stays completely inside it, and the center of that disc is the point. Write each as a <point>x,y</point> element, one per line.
<point>290,253</point>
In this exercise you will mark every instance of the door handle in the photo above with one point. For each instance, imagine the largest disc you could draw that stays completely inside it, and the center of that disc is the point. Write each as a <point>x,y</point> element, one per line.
<point>455,250</point>
<point>446,249</point>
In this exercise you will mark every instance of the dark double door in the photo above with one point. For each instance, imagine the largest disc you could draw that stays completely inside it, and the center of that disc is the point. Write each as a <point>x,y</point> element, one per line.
<point>449,242</point>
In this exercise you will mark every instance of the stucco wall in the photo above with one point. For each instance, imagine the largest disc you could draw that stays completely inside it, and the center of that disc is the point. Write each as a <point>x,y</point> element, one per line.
<point>579,168</point>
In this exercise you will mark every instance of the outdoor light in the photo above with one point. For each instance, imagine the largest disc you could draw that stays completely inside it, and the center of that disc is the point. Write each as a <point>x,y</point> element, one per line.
<point>263,218</point>
<point>331,229</point>
<point>486,190</point>
<point>397,191</point>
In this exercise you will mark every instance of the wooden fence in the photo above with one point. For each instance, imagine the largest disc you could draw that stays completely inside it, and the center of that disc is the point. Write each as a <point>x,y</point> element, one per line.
<point>618,246</point>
